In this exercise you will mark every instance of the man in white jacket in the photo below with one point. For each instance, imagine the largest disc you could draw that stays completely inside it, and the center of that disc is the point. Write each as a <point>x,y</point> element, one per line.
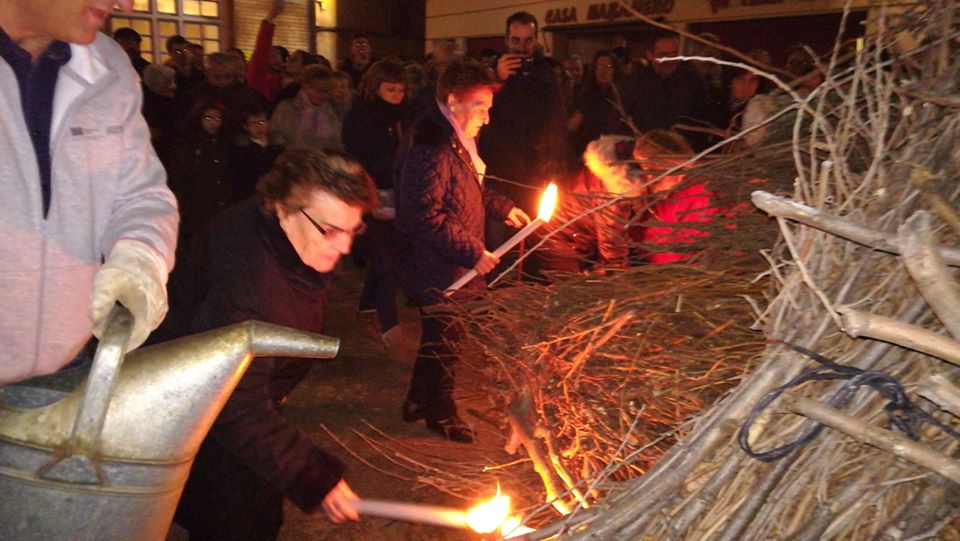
<point>86,218</point>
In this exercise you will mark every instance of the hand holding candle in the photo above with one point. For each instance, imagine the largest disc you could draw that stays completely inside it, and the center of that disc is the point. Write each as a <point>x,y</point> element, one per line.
<point>548,201</point>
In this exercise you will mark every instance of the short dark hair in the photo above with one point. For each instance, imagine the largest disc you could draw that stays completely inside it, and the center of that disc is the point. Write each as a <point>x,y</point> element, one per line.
<point>315,73</point>
<point>358,36</point>
<point>284,53</point>
<point>383,71</point>
<point>521,17</point>
<point>461,77</point>
<point>658,35</point>
<point>297,172</point>
<point>176,40</point>
<point>127,33</point>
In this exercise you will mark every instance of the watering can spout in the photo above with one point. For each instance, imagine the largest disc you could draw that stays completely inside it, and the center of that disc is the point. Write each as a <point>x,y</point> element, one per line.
<point>167,396</point>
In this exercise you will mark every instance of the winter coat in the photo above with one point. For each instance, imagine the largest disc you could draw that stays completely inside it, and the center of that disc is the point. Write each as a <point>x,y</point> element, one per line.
<point>441,208</point>
<point>242,268</point>
<point>654,102</point>
<point>599,236</point>
<point>526,139</point>
<point>260,76</point>
<point>294,125</point>
<point>689,203</point>
<point>371,134</point>
<point>106,184</point>
<point>201,177</point>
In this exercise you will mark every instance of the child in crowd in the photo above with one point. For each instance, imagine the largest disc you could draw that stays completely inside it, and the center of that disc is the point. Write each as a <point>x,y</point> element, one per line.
<point>254,155</point>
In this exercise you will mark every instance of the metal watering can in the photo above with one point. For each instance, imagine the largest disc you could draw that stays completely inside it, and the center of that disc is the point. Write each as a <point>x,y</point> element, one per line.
<point>109,460</point>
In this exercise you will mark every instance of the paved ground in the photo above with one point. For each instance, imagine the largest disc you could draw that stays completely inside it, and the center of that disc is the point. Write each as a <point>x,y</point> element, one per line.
<point>365,383</point>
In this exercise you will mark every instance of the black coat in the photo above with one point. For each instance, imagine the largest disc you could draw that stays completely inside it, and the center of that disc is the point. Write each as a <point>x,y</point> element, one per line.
<point>526,139</point>
<point>655,102</point>
<point>371,134</point>
<point>441,209</point>
<point>241,268</point>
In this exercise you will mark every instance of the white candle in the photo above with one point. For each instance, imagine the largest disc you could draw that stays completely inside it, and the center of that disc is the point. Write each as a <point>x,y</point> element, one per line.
<point>548,201</point>
<point>502,249</point>
<point>423,514</point>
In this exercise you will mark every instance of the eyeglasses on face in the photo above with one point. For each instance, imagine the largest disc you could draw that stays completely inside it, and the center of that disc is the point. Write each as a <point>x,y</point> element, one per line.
<point>213,117</point>
<point>326,229</point>
<point>260,122</point>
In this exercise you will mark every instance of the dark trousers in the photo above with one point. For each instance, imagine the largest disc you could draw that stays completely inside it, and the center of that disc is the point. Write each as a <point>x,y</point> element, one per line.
<point>433,373</point>
<point>224,500</point>
<point>380,288</point>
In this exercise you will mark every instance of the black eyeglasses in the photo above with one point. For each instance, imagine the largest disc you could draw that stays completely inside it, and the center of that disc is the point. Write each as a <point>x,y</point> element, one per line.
<point>332,230</point>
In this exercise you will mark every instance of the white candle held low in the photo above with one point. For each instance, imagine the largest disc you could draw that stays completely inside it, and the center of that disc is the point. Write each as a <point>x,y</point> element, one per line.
<point>423,514</point>
<point>548,201</point>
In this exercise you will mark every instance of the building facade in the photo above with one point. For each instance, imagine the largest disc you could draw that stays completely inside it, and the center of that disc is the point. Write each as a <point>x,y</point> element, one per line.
<point>395,27</point>
<point>582,27</point>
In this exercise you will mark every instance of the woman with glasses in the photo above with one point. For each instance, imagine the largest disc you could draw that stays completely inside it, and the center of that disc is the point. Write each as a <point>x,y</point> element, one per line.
<point>267,259</point>
<point>441,203</point>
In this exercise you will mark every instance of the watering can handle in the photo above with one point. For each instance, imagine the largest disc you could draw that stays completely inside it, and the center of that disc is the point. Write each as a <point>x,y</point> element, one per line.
<point>85,437</point>
<point>76,462</point>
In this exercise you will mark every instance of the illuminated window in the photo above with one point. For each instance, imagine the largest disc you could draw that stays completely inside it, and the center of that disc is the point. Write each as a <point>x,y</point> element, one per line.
<point>157,20</point>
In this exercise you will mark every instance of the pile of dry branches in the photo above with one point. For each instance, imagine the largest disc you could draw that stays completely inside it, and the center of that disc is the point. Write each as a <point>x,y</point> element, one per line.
<point>599,375</point>
<point>863,277</point>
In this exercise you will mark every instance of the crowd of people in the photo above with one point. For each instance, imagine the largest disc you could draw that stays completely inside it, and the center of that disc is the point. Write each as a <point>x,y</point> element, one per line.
<point>277,162</point>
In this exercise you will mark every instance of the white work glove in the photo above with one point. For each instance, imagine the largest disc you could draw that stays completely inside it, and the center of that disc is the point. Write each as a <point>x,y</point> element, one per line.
<point>134,275</point>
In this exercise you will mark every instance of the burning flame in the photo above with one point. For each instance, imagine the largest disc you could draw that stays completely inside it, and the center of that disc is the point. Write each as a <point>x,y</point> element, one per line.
<point>512,527</point>
<point>487,516</point>
<point>548,201</point>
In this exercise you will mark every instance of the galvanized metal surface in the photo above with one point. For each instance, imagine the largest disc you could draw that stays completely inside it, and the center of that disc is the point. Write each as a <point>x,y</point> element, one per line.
<point>125,483</point>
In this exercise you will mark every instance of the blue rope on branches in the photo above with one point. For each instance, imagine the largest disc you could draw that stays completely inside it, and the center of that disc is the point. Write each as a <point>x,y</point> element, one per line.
<point>902,413</point>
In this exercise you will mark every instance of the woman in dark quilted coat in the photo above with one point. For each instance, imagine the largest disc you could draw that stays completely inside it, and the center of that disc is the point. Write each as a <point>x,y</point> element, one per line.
<point>441,207</point>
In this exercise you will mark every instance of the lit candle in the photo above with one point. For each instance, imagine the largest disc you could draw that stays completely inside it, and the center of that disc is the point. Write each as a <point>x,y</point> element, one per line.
<point>548,201</point>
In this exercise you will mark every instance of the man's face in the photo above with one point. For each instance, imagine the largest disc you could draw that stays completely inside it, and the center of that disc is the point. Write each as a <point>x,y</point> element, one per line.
<point>220,76</point>
<point>521,39</point>
<point>73,21</point>
<point>663,48</point>
<point>180,54</point>
<point>473,111</point>
<point>360,49</point>
<point>320,250</point>
<point>317,94</point>
<point>340,93</point>
<point>131,46</point>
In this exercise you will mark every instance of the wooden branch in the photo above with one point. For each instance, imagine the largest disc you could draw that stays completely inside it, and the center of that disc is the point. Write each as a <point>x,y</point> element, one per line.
<point>520,412</point>
<point>941,392</point>
<point>783,207</point>
<point>858,324</point>
<point>892,442</point>
<point>925,265</point>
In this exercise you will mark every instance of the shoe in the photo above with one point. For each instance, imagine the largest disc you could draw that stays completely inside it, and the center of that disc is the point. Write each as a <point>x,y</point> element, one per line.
<point>453,429</point>
<point>413,411</point>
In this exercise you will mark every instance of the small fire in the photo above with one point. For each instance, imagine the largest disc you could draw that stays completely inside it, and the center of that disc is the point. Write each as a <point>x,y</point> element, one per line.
<point>548,202</point>
<point>513,527</point>
<point>493,515</point>
<point>486,517</point>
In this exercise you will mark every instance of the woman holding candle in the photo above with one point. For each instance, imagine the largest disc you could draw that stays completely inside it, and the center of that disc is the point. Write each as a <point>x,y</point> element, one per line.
<point>441,205</point>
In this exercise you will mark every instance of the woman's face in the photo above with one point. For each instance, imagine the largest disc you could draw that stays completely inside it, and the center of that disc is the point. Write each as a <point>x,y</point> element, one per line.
<point>211,121</point>
<point>321,244</point>
<point>603,70</point>
<point>472,112</point>
<point>392,92</point>
<point>744,86</point>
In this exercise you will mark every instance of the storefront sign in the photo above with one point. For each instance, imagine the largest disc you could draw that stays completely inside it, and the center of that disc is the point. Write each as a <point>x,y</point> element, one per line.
<point>717,5</point>
<point>612,11</point>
